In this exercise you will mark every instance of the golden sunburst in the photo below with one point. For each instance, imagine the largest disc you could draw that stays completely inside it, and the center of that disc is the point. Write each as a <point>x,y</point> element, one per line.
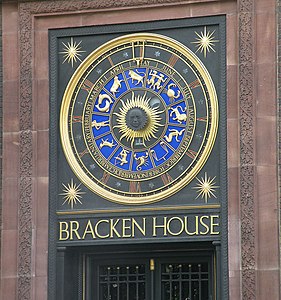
<point>206,187</point>
<point>72,51</point>
<point>205,41</point>
<point>152,121</point>
<point>72,193</point>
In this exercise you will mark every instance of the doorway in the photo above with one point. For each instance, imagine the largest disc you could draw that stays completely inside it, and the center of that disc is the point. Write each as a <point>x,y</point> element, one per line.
<point>156,275</point>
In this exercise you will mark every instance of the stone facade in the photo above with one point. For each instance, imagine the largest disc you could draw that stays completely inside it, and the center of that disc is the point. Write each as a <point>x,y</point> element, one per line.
<point>251,120</point>
<point>1,109</point>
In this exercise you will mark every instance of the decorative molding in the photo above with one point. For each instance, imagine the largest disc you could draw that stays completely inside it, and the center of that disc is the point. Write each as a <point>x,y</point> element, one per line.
<point>246,29</point>
<point>278,7</point>
<point>27,10</point>
<point>26,155</point>
<point>247,148</point>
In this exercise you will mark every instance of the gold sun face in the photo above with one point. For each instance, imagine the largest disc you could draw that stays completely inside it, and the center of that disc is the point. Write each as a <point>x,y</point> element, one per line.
<point>205,41</point>
<point>72,52</point>
<point>72,193</point>
<point>206,187</point>
<point>150,119</point>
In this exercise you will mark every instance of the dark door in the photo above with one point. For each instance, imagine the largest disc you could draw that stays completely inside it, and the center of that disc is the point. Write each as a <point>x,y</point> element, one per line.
<point>161,277</point>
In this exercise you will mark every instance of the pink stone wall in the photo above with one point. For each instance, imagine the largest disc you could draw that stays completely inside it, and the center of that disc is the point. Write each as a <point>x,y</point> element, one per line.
<point>252,271</point>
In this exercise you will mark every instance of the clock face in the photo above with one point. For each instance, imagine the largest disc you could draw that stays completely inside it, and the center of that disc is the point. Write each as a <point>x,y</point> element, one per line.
<point>139,119</point>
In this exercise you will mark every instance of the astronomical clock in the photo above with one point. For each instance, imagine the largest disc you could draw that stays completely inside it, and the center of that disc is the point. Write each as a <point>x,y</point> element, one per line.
<point>145,110</point>
<point>138,161</point>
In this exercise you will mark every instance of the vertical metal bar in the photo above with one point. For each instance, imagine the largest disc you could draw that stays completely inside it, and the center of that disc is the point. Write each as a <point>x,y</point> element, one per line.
<point>117,282</point>
<point>137,283</point>
<point>180,275</point>
<point>170,282</point>
<point>128,282</point>
<point>190,281</point>
<point>108,283</point>
<point>217,267</point>
<point>200,280</point>
<point>152,268</point>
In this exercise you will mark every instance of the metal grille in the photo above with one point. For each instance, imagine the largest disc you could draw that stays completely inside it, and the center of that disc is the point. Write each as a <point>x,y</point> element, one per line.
<point>184,281</point>
<point>125,282</point>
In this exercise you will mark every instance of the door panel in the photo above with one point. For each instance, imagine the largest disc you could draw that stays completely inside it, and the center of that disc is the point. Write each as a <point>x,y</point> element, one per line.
<point>173,277</point>
<point>182,281</point>
<point>122,282</point>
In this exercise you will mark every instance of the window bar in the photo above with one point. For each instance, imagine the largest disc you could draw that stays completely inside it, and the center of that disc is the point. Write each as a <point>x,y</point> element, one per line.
<point>170,281</point>
<point>200,280</point>
<point>180,281</point>
<point>108,283</point>
<point>118,283</point>
<point>127,281</point>
<point>190,283</point>
<point>137,283</point>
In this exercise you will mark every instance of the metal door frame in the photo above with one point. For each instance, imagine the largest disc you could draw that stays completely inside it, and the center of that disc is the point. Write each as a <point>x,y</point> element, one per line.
<point>152,258</point>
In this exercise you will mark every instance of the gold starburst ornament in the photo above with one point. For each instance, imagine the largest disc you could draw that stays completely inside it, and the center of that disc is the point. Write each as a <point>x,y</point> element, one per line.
<point>72,193</point>
<point>206,187</point>
<point>72,52</point>
<point>205,41</point>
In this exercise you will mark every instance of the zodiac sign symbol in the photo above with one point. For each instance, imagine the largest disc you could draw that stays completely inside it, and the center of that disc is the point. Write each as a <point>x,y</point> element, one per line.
<point>180,117</point>
<point>98,125</point>
<point>173,133</point>
<point>164,147</point>
<point>151,82</point>
<point>135,76</point>
<point>116,84</point>
<point>122,157</point>
<point>108,101</point>
<point>171,93</point>
<point>141,160</point>
<point>106,143</point>
<point>157,85</point>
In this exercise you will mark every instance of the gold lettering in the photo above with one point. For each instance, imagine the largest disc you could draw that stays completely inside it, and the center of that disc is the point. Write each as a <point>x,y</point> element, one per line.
<point>74,226</point>
<point>97,232</point>
<point>64,229</point>
<point>88,230</point>
<point>212,225</point>
<point>168,70</point>
<point>164,226</point>
<point>126,227</point>
<point>113,229</point>
<point>116,70</point>
<point>204,225</point>
<point>181,223</point>
<point>186,226</point>
<point>141,229</point>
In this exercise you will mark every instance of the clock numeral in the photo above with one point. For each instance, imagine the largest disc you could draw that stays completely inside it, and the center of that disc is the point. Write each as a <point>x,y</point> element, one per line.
<point>203,119</point>
<point>77,119</point>
<point>139,59</point>
<point>81,154</point>
<point>166,178</point>
<point>135,187</point>
<point>187,92</point>
<point>173,60</point>
<point>110,61</point>
<point>190,153</point>
<point>194,84</point>
<point>87,85</point>
<point>105,177</point>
